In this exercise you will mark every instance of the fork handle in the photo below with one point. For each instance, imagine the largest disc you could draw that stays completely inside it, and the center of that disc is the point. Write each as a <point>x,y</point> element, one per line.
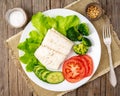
<point>112,77</point>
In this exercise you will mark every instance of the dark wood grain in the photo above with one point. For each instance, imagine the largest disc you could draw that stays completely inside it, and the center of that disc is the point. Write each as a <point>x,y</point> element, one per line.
<point>4,84</point>
<point>11,81</point>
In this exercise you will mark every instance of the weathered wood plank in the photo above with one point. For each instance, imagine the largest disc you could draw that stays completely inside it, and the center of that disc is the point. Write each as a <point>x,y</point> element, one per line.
<point>55,4</point>
<point>13,88</point>
<point>103,85</point>
<point>115,16</point>
<point>4,84</point>
<point>23,89</point>
<point>109,88</point>
<point>96,87</point>
<point>71,93</point>
<point>90,89</point>
<point>112,8</point>
<point>37,5</point>
<point>13,80</point>
<point>27,6</point>
<point>117,90</point>
<point>83,92</point>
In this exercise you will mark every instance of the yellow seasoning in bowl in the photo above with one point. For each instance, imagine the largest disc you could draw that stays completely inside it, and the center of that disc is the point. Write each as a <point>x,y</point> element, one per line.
<point>93,11</point>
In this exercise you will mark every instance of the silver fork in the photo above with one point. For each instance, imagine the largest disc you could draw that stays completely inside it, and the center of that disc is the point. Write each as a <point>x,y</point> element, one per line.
<point>107,41</point>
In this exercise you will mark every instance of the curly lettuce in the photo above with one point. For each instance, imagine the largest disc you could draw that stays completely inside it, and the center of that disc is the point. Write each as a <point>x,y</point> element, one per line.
<point>42,23</point>
<point>29,46</point>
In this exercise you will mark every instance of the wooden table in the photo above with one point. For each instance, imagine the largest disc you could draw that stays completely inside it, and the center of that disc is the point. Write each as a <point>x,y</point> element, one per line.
<point>11,81</point>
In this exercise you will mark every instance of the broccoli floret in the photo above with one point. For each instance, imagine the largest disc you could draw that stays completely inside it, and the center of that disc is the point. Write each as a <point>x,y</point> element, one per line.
<point>83,29</point>
<point>80,49</point>
<point>72,34</point>
<point>79,38</point>
<point>86,42</point>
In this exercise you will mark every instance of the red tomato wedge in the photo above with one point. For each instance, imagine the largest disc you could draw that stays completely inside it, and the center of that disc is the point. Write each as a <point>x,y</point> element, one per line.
<point>77,67</point>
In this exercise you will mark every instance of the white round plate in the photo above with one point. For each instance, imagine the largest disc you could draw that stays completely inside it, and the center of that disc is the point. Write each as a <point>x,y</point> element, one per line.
<point>95,51</point>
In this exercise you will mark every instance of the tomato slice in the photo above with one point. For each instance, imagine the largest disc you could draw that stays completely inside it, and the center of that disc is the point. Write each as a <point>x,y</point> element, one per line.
<point>73,70</point>
<point>80,58</point>
<point>77,67</point>
<point>89,64</point>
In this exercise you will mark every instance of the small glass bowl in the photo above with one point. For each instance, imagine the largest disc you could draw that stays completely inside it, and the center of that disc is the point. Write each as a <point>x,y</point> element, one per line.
<point>93,11</point>
<point>16,9</point>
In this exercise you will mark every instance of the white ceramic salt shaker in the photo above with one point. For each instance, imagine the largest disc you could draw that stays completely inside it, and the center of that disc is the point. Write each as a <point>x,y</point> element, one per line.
<point>16,17</point>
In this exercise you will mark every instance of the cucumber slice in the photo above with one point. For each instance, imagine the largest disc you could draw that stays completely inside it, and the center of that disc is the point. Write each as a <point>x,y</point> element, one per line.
<point>38,68</point>
<point>40,73</point>
<point>54,77</point>
<point>44,74</point>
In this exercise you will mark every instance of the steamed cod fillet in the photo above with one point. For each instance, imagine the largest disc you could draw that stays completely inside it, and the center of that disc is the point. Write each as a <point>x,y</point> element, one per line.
<point>49,58</point>
<point>53,50</point>
<point>57,42</point>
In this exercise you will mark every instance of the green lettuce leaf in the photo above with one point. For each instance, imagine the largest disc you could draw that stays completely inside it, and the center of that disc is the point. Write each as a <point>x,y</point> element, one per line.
<point>42,23</point>
<point>29,46</point>
<point>64,23</point>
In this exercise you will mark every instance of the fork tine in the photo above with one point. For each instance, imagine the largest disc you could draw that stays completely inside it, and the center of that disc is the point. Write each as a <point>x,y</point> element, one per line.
<point>105,31</point>
<point>109,31</point>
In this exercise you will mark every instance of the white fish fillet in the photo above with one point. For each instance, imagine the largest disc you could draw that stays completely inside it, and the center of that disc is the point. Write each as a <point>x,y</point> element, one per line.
<point>48,57</point>
<point>57,42</point>
<point>53,50</point>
